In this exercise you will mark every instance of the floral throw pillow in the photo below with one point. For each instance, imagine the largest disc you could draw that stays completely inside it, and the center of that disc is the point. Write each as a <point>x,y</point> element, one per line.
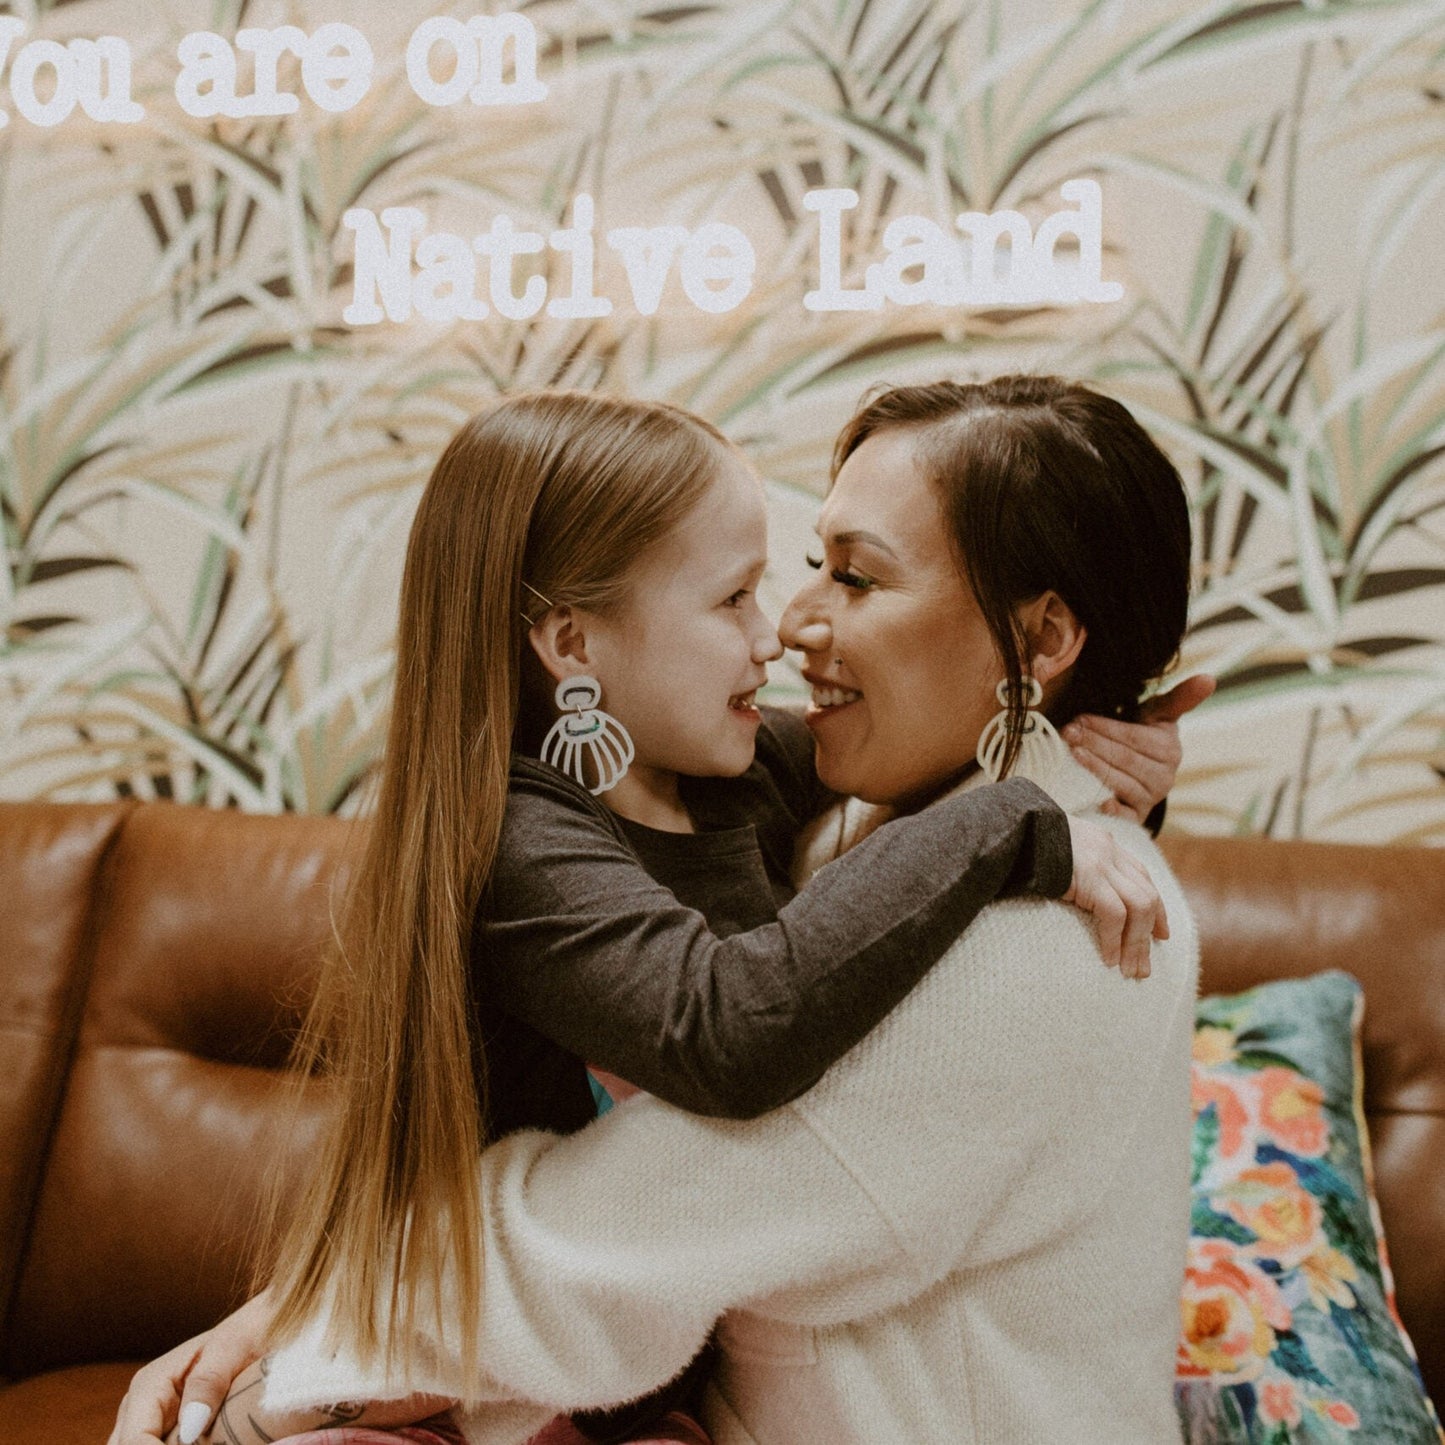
<point>1289,1325</point>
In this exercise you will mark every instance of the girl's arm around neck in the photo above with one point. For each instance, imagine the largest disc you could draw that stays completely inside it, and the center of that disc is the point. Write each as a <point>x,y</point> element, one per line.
<point>582,944</point>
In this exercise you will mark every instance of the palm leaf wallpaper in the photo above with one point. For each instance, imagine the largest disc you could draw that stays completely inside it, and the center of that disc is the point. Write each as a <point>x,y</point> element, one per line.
<point>207,474</point>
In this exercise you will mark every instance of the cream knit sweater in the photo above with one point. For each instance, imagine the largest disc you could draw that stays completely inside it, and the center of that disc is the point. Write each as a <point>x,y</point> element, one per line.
<point>971,1230</point>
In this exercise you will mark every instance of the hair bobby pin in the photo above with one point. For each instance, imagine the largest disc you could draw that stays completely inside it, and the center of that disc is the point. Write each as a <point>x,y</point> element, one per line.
<point>545,600</point>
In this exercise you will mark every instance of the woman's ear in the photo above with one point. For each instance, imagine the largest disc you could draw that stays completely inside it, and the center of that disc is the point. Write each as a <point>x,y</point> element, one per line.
<point>560,641</point>
<point>1053,635</point>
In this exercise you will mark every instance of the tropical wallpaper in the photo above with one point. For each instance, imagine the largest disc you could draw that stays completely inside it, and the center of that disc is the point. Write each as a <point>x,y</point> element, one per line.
<point>207,472</point>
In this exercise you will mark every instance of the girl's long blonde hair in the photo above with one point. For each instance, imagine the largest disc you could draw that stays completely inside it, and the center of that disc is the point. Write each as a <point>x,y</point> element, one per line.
<point>563,491</point>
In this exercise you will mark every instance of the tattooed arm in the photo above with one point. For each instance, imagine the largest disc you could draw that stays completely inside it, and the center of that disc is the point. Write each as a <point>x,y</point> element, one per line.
<point>242,1421</point>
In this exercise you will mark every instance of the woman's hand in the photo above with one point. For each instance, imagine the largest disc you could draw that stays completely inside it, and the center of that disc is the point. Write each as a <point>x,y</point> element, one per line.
<point>1138,761</point>
<point>180,1391</point>
<point>1115,887</point>
<point>241,1419</point>
<point>210,1389</point>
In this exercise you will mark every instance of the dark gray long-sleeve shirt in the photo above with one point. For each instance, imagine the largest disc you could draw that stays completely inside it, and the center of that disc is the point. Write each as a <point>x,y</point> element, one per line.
<point>685,964</point>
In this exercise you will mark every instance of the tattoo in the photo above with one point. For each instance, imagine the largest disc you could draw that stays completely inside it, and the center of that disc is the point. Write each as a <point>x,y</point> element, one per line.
<point>238,1423</point>
<point>344,1413</point>
<point>227,1426</point>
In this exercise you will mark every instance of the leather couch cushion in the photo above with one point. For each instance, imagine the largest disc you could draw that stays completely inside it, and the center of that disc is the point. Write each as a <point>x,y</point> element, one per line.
<point>206,956</point>
<point>49,864</point>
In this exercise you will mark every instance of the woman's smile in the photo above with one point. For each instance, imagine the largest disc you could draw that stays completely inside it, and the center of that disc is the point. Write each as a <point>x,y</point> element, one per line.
<point>828,699</point>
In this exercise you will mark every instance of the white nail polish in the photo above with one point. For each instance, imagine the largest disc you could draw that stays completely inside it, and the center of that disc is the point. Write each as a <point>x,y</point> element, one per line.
<point>194,1418</point>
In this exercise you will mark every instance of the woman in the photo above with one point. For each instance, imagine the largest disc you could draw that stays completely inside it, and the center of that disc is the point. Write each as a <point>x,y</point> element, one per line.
<point>892,759</point>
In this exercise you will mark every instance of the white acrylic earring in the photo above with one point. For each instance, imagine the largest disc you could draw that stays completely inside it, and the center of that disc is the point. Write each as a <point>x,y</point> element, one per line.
<point>585,734</point>
<point>1041,750</point>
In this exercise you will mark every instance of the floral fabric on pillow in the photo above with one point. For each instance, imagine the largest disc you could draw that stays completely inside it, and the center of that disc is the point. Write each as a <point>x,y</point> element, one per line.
<point>1289,1325</point>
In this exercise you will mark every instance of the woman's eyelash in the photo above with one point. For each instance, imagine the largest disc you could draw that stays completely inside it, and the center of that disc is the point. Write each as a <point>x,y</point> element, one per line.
<point>736,599</point>
<point>848,579</point>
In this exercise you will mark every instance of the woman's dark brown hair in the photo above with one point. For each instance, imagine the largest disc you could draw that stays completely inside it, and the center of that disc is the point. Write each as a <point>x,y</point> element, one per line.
<point>1046,485</point>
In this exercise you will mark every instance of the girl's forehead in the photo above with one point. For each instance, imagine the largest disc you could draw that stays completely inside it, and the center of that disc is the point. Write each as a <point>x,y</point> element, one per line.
<point>726,530</point>
<point>732,509</point>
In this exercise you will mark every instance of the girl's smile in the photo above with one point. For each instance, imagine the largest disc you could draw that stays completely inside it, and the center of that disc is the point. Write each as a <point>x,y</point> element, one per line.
<point>745,706</point>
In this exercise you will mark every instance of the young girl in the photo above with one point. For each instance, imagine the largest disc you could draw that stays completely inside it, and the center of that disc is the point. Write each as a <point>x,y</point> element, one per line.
<point>508,921</point>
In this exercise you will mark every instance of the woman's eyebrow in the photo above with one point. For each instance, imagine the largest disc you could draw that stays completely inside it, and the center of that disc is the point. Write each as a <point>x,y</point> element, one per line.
<point>871,539</point>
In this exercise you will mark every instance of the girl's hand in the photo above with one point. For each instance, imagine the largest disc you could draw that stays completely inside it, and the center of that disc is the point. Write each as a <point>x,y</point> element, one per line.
<point>179,1392</point>
<point>1115,887</point>
<point>1137,761</point>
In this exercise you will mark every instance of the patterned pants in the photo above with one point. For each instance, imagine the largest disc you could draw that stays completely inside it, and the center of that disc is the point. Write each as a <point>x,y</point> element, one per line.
<point>675,1429</point>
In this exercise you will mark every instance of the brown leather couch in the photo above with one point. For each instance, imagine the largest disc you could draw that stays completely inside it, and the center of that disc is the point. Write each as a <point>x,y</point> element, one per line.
<point>153,957</point>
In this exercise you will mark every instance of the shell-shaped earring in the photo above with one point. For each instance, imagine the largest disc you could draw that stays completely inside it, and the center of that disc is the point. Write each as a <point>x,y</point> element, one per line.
<point>1041,750</point>
<point>584,734</point>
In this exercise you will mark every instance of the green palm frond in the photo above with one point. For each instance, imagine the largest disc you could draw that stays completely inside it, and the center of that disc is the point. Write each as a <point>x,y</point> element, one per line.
<point>161,459</point>
<point>1336,461</point>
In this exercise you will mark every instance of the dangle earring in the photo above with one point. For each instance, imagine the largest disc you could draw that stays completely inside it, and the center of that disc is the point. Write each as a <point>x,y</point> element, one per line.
<point>1041,751</point>
<point>585,734</point>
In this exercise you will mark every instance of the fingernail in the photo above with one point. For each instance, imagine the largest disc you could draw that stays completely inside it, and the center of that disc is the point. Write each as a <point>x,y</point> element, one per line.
<point>1074,732</point>
<point>194,1418</point>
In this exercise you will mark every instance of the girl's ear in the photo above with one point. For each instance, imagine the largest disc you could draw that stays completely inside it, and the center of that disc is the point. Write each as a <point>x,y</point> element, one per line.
<point>560,641</point>
<point>1054,636</point>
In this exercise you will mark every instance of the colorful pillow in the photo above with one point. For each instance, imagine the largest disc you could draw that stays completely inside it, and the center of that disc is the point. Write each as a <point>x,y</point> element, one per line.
<point>1289,1325</point>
